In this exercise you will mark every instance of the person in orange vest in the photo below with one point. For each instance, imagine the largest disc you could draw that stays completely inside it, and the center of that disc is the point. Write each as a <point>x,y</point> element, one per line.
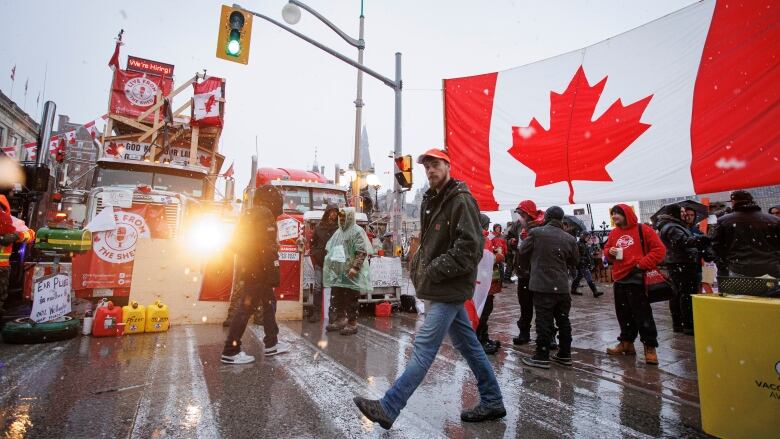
<point>11,230</point>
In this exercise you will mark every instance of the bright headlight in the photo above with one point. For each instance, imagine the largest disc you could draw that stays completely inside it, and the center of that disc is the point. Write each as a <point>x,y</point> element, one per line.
<point>209,234</point>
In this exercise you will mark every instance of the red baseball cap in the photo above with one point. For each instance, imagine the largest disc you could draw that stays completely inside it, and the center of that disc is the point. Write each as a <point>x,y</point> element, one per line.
<point>434,153</point>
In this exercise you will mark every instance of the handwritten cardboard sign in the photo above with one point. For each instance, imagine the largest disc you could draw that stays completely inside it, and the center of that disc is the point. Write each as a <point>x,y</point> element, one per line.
<point>51,298</point>
<point>386,272</point>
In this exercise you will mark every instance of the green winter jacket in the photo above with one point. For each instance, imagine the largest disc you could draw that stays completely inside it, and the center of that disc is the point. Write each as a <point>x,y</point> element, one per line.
<point>444,269</point>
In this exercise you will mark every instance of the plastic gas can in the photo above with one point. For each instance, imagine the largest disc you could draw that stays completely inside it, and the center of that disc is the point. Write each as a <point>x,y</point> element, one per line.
<point>384,309</point>
<point>157,317</point>
<point>134,316</point>
<point>108,321</point>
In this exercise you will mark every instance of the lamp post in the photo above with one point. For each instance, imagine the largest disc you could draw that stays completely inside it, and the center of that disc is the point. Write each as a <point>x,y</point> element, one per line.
<point>292,14</point>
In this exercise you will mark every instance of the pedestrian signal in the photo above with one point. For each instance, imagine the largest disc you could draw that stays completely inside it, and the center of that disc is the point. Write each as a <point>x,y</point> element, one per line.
<point>404,173</point>
<point>235,34</point>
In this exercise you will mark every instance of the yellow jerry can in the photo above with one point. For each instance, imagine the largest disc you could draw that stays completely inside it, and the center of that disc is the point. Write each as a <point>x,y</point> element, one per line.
<point>134,317</point>
<point>157,317</point>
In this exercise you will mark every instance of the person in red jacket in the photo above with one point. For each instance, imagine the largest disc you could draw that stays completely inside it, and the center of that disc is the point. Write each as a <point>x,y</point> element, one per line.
<point>499,245</point>
<point>629,263</point>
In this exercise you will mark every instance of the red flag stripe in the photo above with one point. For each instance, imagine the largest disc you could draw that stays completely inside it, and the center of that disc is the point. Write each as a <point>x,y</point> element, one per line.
<point>734,137</point>
<point>467,133</point>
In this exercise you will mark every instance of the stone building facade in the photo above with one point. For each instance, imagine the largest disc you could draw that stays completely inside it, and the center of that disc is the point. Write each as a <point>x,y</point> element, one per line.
<point>81,157</point>
<point>16,126</point>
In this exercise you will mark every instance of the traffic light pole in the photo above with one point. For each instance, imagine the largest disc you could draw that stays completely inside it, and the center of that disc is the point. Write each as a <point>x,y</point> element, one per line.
<point>396,85</point>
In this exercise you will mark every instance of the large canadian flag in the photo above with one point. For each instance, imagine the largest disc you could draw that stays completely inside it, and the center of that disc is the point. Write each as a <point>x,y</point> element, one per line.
<point>689,103</point>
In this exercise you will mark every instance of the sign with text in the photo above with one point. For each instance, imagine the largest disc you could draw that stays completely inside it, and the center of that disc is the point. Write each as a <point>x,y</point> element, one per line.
<point>51,298</point>
<point>141,65</point>
<point>119,198</point>
<point>385,272</point>
<point>130,150</point>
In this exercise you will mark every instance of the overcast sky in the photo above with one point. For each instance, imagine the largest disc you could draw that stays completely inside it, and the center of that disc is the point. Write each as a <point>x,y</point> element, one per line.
<point>293,96</point>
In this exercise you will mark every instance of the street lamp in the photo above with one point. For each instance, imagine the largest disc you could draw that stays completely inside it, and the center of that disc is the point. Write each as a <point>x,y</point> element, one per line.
<point>396,84</point>
<point>291,13</point>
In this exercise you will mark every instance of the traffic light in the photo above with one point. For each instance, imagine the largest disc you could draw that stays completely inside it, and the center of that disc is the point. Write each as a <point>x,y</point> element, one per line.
<point>404,172</point>
<point>235,34</point>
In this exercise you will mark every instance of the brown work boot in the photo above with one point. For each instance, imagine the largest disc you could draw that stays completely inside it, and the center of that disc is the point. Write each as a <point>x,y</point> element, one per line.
<point>622,348</point>
<point>349,329</point>
<point>651,357</point>
<point>336,325</point>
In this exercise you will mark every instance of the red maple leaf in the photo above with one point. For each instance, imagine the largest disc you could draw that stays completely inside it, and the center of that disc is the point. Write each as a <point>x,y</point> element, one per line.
<point>577,147</point>
<point>210,103</point>
<point>205,161</point>
<point>112,149</point>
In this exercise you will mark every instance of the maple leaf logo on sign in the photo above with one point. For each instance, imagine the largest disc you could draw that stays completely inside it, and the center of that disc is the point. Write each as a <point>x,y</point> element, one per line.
<point>577,147</point>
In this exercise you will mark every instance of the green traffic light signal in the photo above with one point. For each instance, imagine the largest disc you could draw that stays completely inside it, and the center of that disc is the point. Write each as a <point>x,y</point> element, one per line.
<point>234,43</point>
<point>234,40</point>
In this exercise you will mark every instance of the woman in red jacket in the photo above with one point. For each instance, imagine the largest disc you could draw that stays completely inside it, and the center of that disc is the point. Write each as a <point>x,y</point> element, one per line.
<point>629,263</point>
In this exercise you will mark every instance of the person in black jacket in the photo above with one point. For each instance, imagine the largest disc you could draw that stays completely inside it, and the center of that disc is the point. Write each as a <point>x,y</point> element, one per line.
<point>444,271</point>
<point>683,261</point>
<point>548,254</point>
<point>530,218</point>
<point>748,240</point>
<point>584,267</point>
<point>322,233</point>
<point>254,242</point>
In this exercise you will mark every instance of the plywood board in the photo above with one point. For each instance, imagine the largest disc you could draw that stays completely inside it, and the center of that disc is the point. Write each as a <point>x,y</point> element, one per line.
<point>167,271</point>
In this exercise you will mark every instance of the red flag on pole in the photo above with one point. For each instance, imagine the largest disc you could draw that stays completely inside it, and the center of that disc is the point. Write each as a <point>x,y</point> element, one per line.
<point>113,63</point>
<point>229,172</point>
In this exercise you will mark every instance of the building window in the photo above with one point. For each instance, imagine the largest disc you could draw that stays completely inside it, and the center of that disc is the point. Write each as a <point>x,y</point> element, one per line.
<point>579,211</point>
<point>2,135</point>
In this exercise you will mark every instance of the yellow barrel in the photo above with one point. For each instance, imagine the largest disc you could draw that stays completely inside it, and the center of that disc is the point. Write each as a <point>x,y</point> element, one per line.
<point>157,317</point>
<point>134,317</point>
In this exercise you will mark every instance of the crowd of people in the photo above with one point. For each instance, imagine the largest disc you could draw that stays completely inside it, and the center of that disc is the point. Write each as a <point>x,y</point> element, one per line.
<point>545,256</point>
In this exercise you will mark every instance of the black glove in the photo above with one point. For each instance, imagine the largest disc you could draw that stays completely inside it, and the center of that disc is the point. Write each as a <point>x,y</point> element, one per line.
<point>8,239</point>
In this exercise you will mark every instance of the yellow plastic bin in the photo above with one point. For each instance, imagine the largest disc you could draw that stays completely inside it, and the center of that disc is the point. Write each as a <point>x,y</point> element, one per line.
<point>157,317</point>
<point>134,316</point>
<point>738,365</point>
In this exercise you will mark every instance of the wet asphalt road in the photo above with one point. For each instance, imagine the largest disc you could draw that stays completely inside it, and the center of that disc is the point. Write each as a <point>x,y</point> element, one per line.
<point>173,385</point>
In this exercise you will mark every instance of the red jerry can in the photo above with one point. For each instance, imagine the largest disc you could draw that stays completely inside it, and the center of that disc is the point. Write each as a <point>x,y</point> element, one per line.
<point>384,309</point>
<point>108,321</point>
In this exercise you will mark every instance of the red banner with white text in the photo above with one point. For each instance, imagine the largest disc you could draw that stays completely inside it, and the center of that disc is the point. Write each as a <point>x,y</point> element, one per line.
<point>133,93</point>
<point>110,262</point>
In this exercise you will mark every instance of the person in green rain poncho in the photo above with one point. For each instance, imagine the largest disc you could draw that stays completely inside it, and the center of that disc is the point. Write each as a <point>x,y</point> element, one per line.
<point>346,272</point>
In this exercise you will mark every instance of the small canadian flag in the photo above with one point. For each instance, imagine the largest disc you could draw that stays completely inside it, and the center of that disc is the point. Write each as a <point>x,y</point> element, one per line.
<point>71,136</point>
<point>54,143</point>
<point>91,129</point>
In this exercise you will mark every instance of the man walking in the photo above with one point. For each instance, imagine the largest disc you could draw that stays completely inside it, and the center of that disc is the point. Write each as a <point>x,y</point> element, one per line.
<point>548,253</point>
<point>584,267</point>
<point>254,242</point>
<point>444,272</point>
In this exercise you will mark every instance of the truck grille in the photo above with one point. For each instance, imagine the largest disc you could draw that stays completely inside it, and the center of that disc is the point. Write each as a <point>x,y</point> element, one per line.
<point>172,211</point>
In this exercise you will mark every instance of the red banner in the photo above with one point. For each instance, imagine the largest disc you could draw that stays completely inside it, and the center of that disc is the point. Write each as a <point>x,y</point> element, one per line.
<point>110,263</point>
<point>133,93</point>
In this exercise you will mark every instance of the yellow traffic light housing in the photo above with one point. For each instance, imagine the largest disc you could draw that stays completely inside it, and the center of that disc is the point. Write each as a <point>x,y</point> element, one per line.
<point>235,34</point>
<point>404,173</point>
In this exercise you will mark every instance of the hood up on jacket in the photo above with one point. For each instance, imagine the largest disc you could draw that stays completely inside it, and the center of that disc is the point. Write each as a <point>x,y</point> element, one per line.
<point>346,217</point>
<point>628,213</point>
<point>325,215</point>
<point>270,197</point>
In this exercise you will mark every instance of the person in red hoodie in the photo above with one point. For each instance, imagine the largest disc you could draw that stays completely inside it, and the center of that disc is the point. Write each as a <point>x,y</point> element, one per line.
<point>499,245</point>
<point>629,263</point>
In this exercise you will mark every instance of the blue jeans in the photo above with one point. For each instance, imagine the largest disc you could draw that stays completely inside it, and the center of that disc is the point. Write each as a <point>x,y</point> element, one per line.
<point>441,318</point>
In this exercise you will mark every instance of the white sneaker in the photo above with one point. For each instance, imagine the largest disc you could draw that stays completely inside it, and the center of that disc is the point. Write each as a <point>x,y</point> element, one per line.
<point>239,358</point>
<point>278,348</point>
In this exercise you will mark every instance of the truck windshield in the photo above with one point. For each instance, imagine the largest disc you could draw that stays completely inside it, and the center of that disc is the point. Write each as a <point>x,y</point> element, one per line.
<point>190,186</point>
<point>323,197</point>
